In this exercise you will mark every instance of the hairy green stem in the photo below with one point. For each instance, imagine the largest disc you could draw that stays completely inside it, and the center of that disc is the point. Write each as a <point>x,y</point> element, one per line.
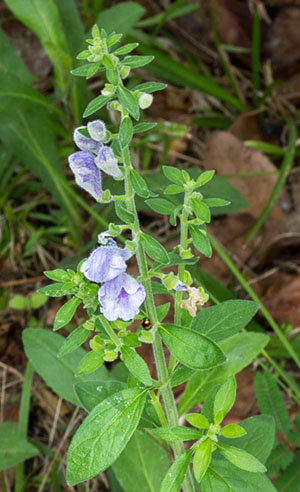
<point>159,356</point>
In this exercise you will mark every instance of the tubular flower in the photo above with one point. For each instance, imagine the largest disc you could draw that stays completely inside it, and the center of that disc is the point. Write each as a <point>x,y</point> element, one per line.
<point>121,298</point>
<point>93,156</point>
<point>105,263</point>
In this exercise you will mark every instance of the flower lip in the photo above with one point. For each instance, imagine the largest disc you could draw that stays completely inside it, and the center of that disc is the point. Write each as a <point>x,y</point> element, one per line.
<point>86,143</point>
<point>121,298</point>
<point>87,175</point>
<point>107,162</point>
<point>97,130</point>
<point>105,263</point>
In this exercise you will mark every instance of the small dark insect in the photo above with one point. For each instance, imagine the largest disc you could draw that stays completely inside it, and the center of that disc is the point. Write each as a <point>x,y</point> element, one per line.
<point>146,323</point>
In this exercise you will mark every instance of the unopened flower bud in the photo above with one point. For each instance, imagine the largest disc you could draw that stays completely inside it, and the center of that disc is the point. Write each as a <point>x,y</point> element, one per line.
<point>110,355</point>
<point>170,281</point>
<point>145,100</point>
<point>108,90</point>
<point>115,106</point>
<point>96,343</point>
<point>124,71</point>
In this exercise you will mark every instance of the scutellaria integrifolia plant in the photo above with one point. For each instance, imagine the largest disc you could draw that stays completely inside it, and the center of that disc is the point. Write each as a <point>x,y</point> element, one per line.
<point>113,299</point>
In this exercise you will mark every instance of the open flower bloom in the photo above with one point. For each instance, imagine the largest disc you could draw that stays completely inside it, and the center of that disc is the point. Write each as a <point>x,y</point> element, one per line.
<point>107,162</point>
<point>93,156</point>
<point>121,298</point>
<point>105,263</point>
<point>87,175</point>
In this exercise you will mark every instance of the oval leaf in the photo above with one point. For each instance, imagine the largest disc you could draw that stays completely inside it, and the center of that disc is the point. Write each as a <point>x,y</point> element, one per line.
<point>202,459</point>
<point>104,434</point>
<point>176,474</point>
<point>136,365</point>
<point>161,206</point>
<point>128,100</point>
<point>126,131</point>
<point>95,105</point>
<point>224,399</point>
<point>91,393</point>
<point>241,459</point>
<point>190,348</point>
<point>66,313</point>
<point>154,249</point>
<point>76,338</point>
<point>200,240</point>
<point>176,433</point>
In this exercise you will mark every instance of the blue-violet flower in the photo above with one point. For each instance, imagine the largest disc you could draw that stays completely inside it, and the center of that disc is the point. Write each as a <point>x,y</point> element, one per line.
<point>121,298</point>
<point>93,156</point>
<point>105,263</point>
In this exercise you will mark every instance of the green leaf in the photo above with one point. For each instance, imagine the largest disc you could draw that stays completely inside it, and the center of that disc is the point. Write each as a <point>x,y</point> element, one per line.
<point>121,17</point>
<point>205,177</point>
<point>26,128</point>
<point>76,338</point>
<point>127,48</point>
<point>19,302</point>
<point>200,240</point>
<point>224,399</point>
<point>104,434</point>
<point>42,347</point>
<point>202,458</point>
<point>137,61</point>
<point>225,319</point>
<point>58,275</point>
<point>96,104</point>
<point>84,70</point>
<point>160,206</point>
<point>173,189</point>
<point>37,300</point>
<point>13,448</point>
<point>240,350</point>
<point>288,480</point>
<point>143,127</point>
<point>270,400</point>
<point>224,477</point>
<point>123,213</point>
<point>107,62</point>
<point>139,184</point>
<point>129,101</point>
<point>201,210</point>
<point>12,63</point>
<point>91,393</point>
<point>150,87</point>
<point>259,439</point>
<point>231,431</point>
<point>216,202</point>
<point>90,362</point>
<point>197,420</point>
<point>174,174</point>
<point>136,365</point>
<point>58,289</point>
<point>176,474</point>
<point>126,131</point>
<point>176,433</point>
<point>150,460</point>
<point>241,459</point>
<point>190,348</point>
<point>66,313</point>
<point>154,249</point>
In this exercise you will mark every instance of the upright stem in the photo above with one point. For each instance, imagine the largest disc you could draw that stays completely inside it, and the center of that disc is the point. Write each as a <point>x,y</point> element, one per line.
<point>161,366</point>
